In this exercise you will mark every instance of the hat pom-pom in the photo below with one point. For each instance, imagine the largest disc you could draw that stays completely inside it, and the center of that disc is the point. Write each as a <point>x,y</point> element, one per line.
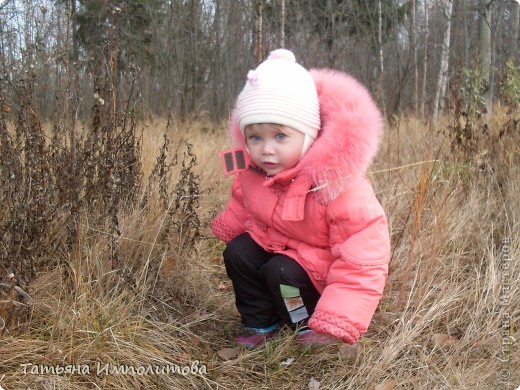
<point>282,54</point>
<point>252,77</point>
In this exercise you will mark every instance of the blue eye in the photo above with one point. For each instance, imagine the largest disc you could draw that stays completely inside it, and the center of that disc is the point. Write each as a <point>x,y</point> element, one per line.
<point>254,138</point>
<point>280,136</point>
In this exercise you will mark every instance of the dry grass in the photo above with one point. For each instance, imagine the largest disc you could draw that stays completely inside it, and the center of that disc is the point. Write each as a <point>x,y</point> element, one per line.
<point>451,303</point>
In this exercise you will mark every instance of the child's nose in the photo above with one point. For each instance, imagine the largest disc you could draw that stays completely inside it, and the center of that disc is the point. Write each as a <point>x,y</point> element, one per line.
<point>268,148</point>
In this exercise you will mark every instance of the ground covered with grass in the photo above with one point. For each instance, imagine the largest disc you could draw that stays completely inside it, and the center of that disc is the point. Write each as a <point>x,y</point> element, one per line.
<point>142,301</point>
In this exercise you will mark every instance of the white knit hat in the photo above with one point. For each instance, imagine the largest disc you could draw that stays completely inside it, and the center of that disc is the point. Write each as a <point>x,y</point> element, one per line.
<point>283,92</point>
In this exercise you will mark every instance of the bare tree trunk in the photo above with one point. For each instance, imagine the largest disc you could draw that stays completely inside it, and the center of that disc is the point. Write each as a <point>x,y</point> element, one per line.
<point>216,69</point>
<point>442,78</point>
<point>75,42</point>
<point>485,52</point>
<point>466,44</point>
<point>415,65</point>
<point>381,57</point>
<point>259,32</point>
<point>282,23</point>
<point>515,29</point>
<point>69,121</point>
<point>425,58</point>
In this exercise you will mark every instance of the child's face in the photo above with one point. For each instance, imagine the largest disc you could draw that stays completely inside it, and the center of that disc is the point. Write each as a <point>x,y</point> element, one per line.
<point>274,148</point>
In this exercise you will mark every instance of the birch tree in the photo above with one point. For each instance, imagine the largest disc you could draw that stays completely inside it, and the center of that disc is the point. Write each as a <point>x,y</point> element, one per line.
<point>442,77</point>
<point>259,31</point>
<point>485,51</point>
<point>381,56</point>
<point>282,23</point>
<point>425,59</point>
<point>414,54</point>
<point>515,29</point>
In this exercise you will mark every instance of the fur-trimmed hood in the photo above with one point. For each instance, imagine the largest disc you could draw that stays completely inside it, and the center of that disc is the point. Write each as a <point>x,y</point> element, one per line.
<point>349,138</point>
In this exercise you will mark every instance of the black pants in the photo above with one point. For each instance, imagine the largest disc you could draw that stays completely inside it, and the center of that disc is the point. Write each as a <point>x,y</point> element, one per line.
<point>269,287</point>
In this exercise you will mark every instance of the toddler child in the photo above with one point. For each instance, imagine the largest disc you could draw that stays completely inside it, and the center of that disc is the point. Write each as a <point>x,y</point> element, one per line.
<point>307,240</point>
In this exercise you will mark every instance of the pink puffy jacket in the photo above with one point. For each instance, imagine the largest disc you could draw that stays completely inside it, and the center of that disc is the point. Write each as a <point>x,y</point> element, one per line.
<point>323,213</point>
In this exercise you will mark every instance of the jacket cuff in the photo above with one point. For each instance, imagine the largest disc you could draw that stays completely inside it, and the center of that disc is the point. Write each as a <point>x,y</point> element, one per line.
<point>222,230</point>
<point>322,322</point>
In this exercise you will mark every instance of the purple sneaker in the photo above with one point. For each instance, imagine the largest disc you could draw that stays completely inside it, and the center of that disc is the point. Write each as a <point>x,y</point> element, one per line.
<point>255,337</point>
<point>308,337</point>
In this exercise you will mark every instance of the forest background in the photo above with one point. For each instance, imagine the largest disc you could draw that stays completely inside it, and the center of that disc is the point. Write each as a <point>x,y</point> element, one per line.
<point>113,114</point>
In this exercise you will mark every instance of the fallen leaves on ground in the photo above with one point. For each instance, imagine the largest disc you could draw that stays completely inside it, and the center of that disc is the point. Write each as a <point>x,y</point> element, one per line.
<point>228,353</point>
<point>350,352</point>
<point>442,339</point>
<point>225,285</point>
<point>287,362</point>
<point>314,384</point>
<point>388,385</point>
